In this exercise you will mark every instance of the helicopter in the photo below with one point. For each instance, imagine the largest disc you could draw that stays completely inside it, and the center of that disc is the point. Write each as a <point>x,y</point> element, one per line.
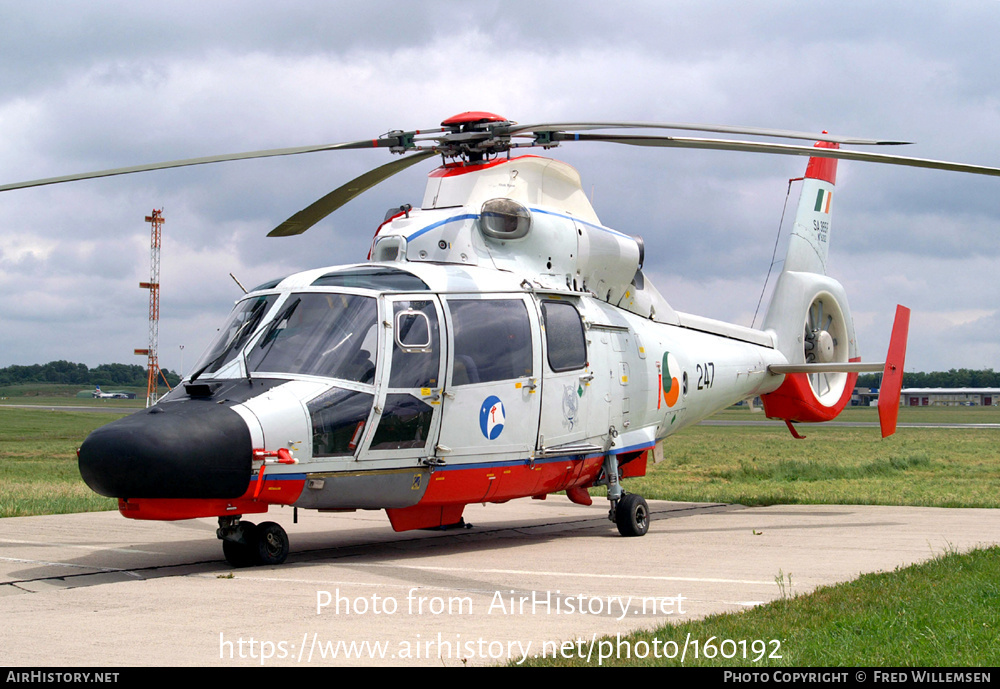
<point>499,342</point>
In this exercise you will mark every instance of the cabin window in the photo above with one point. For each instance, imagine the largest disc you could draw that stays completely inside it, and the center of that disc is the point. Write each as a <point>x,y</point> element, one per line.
<point>413,331</point>
<point>492,340</point>
<point>371,277</point>
<point>564,336</point>
<point>415,359</point>
<point>405,423</point>
<point>338,421</point>
<point>321,334</point>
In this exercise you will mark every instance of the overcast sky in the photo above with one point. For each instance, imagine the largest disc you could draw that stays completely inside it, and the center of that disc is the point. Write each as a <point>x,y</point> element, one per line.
<point>88,86</point>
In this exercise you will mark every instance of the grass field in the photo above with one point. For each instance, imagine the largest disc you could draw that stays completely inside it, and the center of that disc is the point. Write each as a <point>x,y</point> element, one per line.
<point>38,470</point>
<point>965,415</point>
<point>764,465</point>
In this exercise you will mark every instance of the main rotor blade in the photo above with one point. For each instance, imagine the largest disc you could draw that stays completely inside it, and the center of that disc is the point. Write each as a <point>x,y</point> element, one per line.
<point>370,143</point>
<point>719,128</point>
<point>312,214</point>
<point>780,149</point>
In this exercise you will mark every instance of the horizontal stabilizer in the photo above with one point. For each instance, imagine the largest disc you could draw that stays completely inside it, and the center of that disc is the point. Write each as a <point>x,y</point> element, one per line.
<point>835,367</point>
<point>892,376</point>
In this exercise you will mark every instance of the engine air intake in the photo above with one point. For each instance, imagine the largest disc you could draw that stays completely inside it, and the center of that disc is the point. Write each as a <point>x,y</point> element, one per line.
<point>504,219</point>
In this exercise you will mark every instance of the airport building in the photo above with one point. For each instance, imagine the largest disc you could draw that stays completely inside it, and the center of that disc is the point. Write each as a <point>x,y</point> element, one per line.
<point>950,397</point>
<point>931,397</point>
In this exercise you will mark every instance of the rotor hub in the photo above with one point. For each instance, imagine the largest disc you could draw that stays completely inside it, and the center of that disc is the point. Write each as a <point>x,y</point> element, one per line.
<point>824,347</point>
<point>475,134</point>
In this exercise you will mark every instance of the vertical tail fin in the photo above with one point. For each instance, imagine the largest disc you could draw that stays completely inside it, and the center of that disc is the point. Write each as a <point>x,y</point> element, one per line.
<point>808,316</point>
<point>809,244</point>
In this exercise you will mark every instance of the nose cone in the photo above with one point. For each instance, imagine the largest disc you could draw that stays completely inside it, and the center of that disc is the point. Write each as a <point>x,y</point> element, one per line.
<point>182,449</point>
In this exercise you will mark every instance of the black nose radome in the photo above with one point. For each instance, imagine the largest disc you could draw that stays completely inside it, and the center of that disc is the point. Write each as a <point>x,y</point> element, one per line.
<point>183,449</point>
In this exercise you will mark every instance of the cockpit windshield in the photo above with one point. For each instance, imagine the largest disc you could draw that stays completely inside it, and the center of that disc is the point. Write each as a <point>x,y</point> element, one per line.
<point>242,323</point>
<point>320,334</point>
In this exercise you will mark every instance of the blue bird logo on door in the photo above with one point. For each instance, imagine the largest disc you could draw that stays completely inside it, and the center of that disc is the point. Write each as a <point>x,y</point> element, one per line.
<point>492,417</point>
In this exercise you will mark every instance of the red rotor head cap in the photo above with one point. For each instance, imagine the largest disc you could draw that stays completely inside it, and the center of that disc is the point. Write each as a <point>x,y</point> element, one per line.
<point>472,117</point>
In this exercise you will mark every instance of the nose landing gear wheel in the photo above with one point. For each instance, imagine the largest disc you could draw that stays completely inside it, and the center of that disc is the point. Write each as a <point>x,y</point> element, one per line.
<point>272,544</point>
<point>632,515</point>
<point>242,552</point>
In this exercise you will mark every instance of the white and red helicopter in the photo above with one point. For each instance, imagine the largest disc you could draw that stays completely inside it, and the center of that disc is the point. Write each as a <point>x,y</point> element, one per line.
<point>498,343</point>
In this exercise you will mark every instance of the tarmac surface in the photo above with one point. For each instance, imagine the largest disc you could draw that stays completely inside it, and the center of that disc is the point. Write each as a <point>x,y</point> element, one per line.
<point>530,578</point>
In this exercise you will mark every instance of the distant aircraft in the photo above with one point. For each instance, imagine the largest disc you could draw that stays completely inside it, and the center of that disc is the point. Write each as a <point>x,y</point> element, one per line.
<point>110,395</point>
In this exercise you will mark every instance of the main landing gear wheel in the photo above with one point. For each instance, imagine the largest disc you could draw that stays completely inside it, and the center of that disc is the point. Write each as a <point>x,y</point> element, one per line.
<point>632,515</point>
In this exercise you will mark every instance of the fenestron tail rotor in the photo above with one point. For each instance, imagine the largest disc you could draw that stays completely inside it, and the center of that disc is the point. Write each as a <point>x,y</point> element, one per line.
<point>825,342</point>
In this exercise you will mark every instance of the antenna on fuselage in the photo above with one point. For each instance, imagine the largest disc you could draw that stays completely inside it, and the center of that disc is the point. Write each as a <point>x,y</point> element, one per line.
<point>239,283</point>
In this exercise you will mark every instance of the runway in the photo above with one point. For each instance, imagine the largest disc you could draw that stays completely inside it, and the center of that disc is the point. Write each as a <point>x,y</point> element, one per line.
<point>97,589</point>
<point>847,424</point>
<point>70,407</point>
<point>706,422</point>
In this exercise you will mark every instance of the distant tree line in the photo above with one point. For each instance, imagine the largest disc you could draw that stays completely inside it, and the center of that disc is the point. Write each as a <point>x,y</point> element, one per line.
<point>955,378</point>
<point>67,373</point>
<point>134,375</point>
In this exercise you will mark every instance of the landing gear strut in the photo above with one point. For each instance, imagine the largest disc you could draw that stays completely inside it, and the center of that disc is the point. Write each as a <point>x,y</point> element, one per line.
<point>246,544</point>
<point>629,511</point>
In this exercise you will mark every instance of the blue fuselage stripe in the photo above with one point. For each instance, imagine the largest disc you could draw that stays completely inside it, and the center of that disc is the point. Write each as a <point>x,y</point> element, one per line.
<point>454,218</point>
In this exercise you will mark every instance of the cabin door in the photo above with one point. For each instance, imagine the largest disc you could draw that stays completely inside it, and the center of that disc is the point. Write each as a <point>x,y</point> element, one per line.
<point>407,414</point>
<point>491,403</point>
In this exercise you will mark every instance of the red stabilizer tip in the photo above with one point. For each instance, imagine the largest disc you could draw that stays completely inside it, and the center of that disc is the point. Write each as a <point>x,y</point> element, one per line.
<point>892,376</point>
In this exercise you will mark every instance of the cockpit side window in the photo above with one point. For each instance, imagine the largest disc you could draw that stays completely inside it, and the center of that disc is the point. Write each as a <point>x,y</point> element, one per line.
<point>405,424</point>
<point>338,421</point>
<point>320,334</point>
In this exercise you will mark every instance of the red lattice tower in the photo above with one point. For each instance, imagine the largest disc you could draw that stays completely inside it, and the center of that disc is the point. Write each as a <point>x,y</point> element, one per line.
<point>153,372</point>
